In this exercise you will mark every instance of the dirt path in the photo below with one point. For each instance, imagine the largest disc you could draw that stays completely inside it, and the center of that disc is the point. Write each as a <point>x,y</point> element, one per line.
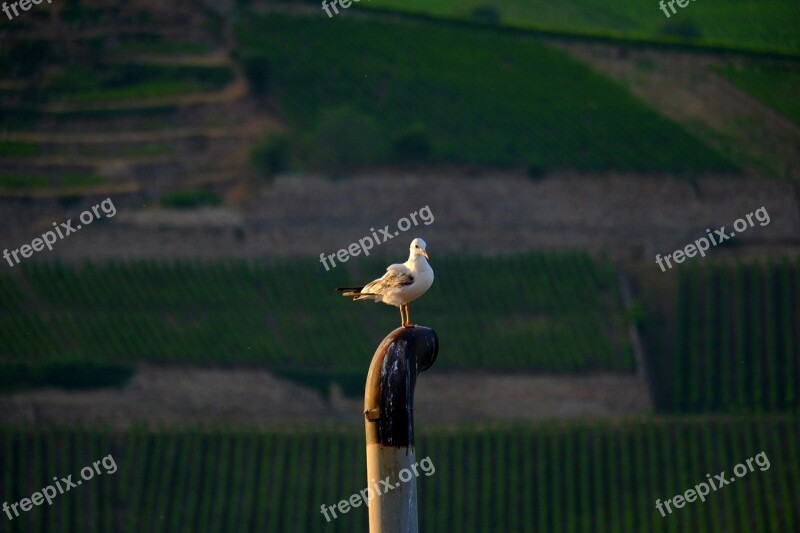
<point>177,395</point>
<point>218,58</point>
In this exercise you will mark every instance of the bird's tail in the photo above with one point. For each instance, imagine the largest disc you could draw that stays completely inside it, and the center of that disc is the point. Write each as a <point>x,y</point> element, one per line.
<point>349,291</point>
<point>356,293</point>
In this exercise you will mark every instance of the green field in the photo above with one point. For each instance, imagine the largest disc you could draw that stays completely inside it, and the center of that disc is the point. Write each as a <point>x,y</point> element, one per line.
<point>157,45</point>
<point>734,344</point>
<point>458,95</point>
<point>190,198</point>
<point>774,86</point>
<point>749,24</point>
<point>538,312</point>
<point>549,477</point>
<point>15,181</point>
<point>144,149</point>
<point>33,119</point>
<point>88,84</point>
<point>18,149</point>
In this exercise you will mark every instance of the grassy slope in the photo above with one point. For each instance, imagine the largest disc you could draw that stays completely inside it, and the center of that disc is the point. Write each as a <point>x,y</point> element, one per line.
<point>751,24</point>
<point>773,86</point>
<point>483,98</point>
<point>551,477</point>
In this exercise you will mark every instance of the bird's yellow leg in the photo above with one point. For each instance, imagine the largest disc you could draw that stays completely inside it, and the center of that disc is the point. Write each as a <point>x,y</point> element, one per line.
<point>402,316</point>
<point>408,316</point>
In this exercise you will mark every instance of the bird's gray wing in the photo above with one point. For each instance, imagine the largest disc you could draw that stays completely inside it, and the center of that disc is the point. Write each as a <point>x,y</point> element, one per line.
<point>396,276</point>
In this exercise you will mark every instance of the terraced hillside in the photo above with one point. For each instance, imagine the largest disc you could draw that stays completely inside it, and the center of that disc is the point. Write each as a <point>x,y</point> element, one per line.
<point>573,478</point>
<point>108,98</point>
<point>98,98</point>
<point>101,98</point>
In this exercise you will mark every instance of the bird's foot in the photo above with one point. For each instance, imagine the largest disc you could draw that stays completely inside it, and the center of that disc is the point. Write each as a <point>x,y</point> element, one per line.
<point>408,325</point>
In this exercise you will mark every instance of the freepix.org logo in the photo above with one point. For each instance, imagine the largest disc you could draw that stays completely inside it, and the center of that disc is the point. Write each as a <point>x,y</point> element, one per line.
<point>719,236</point>
<point>378,488</point>
<point>344,4</point>
<point>60,231</point>
<point>366,243</point>
<point>48,494</point>
<point>24,5</point>
<point>701,490</point>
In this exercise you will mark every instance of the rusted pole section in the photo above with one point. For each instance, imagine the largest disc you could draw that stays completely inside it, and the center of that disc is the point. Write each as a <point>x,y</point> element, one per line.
<point>389,421</point>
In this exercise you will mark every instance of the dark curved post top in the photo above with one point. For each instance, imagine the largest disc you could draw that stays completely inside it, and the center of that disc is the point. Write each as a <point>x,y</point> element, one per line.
<point>389,392</point>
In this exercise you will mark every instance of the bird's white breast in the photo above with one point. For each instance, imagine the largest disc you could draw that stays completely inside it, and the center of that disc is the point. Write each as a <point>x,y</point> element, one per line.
<point>423,279</point>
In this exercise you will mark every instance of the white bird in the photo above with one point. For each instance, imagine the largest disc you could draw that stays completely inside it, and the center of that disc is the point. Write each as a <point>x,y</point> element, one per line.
<point>402,283</point>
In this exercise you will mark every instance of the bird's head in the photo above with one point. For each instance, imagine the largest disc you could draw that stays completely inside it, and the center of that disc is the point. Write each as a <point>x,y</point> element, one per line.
<point>418,248</point>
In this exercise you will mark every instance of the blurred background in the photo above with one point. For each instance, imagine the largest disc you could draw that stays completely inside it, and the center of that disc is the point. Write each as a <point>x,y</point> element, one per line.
<point>196,337</point>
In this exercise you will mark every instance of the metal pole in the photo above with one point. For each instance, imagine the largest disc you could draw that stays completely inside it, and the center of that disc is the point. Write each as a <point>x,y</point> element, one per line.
<point>389,422</point>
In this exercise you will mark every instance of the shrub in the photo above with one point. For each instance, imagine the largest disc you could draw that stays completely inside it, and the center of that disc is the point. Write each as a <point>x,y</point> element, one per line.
<point>190,198</point>
<point>132,81</point>
<point>83,375</point>
<point>82,180</point>
<point>683,28</point>
<point>486,14</point>
<point>536,169</point>
<point>72,375</point>
<point>16,181</point>
<point>270,155</point>
<point>257,71</point>
<point>345,139</point>
<point>636,314</point>
<point>412,143</point>
<point>18,149</point>
<point>14,376</point>
<point>350,381</point>
<point>36,53</point>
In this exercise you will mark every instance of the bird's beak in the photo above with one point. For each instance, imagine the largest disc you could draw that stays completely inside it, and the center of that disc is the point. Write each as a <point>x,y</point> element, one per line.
<point>423,252</point>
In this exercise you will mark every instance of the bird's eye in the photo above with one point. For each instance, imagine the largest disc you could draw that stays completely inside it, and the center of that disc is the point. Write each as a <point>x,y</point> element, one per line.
<point>416,246</point>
